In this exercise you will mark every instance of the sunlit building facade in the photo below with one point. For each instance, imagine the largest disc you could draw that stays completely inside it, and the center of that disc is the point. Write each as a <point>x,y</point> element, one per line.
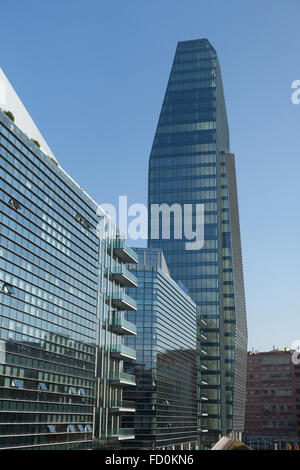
<point>270,419</point>
<point>190,163</point>
<point>62,297</point>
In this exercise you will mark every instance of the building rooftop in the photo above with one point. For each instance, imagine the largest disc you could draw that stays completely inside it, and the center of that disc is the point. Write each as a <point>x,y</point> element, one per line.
<point>273,351</point>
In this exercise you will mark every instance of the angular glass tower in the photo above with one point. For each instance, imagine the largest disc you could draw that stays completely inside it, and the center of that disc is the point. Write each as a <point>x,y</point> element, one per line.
<point>190,163</point>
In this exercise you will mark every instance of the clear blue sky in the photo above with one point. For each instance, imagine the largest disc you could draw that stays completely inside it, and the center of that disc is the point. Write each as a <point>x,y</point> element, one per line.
<point>93,75</point>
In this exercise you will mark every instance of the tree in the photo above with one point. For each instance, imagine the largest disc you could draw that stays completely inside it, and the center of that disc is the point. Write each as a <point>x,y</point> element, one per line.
<point>36,143</point>
<point>10,115</point>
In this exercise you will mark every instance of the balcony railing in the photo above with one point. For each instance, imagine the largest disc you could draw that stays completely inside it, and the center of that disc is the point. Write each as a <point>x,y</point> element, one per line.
<point>126,433</point>
<point>122,433</point>
<point>202,429</point>
<point>123,406</point>
<point>123,352</point>
<point>203,351</point>
<point>122,301</point>
<point>203,335</point>
<point>124,252</point>
<point>203,413</point>
<point>201,381</point>
<point>202,397</point>
<point>119,325</point>
<point>122,275</point>
<point>205,395</point>
<point>123,378</point>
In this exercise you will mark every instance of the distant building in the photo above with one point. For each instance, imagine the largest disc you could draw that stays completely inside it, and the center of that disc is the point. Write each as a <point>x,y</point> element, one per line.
<point>165,395</point>
<point>270,399</point>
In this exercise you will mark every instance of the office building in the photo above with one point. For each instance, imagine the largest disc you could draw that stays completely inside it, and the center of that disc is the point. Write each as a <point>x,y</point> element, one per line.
<point>62,294</point>
<point>191,163</point>
<point>165,395</point>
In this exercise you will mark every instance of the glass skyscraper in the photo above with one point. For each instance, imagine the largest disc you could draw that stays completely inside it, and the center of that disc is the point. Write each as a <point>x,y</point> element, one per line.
<point>190,163</point>
<point>165,395</point>
<point>62,297</point>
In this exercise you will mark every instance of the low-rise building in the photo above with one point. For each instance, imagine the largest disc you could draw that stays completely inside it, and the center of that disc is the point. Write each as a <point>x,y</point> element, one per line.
<point>270,401</point>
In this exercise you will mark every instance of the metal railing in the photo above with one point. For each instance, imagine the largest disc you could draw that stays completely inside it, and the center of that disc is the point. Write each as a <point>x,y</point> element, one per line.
<point>122,296</point>
<point>130,378</point>
<point>121,349</point>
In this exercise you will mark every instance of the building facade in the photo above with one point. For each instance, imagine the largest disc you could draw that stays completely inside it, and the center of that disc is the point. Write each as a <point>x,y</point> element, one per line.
<point>296,372</point>
<point>62,297</point>
<point>270,402</point>
<point>165,395</point>
<point>112,349</point>
<point>190,163</point>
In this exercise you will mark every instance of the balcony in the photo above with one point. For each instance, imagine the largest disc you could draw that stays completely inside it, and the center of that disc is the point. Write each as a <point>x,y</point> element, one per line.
<point>126,433</point>
<point>203,351</point>
<point>202,429</point>
<point>202,382</point>
<point>202,397</point>
<point>122,407</point>
<point>203,336</point>
<point>122,434</point>
<point>203,413</point>
<point>121,326</point>
<point>123,352</point>
<point>122,378</point>
<point>124,252</point>
<point>124,276</point>
<point>202,323</point>
<point>122,301</point>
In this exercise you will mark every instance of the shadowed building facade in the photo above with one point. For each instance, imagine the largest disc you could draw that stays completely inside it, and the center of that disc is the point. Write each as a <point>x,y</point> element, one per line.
<point>165,395</point>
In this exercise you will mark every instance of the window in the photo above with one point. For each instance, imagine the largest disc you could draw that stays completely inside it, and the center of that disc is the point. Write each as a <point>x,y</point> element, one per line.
<point>72,390</point>
<point>81,391</point>
<point>14,204</point>
<point>17,383</point>
<point>51,428</point>
<point>7,289</point>
<point>71,428</point>
<point>88,427</point>
<point>43,386</point>
<point>80,427</point>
